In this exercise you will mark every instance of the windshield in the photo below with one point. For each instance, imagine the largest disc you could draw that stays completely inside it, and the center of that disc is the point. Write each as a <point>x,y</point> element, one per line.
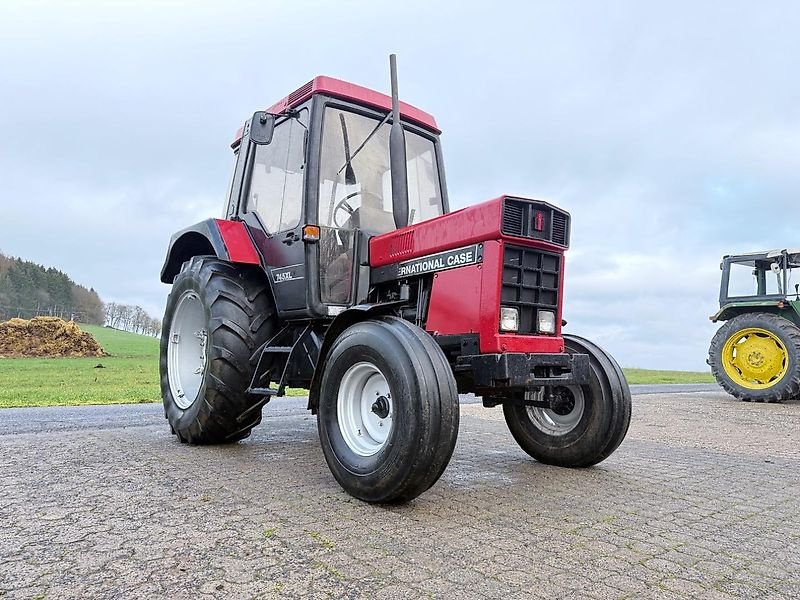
<point>355,178</point>
<point>762,277</point>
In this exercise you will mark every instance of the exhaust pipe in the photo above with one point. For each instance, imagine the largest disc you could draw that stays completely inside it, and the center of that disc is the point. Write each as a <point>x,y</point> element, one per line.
<point>397,155</point>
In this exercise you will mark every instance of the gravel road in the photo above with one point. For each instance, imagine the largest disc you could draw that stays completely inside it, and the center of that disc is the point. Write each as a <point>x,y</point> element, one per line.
<point>701,500</point>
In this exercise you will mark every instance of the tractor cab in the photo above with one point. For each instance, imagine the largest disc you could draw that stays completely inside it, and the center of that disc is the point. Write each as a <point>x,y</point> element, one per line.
<point>759,279</point>
<point>321,156</point>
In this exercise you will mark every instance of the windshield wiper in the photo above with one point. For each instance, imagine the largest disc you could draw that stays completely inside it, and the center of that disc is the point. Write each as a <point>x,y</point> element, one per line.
<point>368,138</point>
<point>349,174</point>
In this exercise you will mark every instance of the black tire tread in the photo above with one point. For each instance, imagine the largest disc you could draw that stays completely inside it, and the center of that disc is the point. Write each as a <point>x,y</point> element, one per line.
<point>242,318</point>
<point>590,448</point>
<point>426,458</point>
<point>785,389</point>
<point>436,454</point>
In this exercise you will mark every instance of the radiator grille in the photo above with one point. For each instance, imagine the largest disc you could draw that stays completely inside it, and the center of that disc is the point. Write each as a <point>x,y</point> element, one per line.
<point>535,220</point>
<point>530,282</point>
<point>560,229</point>
<point>513,215</point>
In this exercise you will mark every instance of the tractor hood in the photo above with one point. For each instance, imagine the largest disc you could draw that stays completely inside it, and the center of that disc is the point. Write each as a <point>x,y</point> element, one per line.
<point>525,221</point>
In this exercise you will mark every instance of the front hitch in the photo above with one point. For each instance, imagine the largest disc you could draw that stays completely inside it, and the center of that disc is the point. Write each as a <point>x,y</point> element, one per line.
<point>520,370</point>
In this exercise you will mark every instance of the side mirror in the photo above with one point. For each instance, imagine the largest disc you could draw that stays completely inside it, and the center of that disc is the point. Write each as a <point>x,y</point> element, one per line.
<point>261,127</point>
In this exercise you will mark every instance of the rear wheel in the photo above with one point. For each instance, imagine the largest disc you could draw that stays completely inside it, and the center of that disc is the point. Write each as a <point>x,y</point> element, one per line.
<point>585,423</point>
<point>217,315</point>
<point>388,410</point>
<point>756,357</point>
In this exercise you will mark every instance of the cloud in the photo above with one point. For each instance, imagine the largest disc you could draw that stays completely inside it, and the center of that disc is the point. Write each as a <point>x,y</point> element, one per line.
<point>670,132</point>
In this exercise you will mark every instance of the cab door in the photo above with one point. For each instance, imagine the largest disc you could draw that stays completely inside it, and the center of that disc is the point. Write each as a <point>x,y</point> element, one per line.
<point>272,208</point>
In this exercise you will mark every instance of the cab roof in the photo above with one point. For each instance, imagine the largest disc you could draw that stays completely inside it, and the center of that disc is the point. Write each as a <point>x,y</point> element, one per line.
<point>749,258</point>
<point>348,91</point>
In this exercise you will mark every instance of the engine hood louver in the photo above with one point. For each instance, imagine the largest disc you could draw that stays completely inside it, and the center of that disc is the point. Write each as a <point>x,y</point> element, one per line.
<point>535,220</point>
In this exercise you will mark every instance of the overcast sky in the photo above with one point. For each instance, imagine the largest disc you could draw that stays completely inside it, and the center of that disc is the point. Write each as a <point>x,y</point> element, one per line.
<point>670,131</point>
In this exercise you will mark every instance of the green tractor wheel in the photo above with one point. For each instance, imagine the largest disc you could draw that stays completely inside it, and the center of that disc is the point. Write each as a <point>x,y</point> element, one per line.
<point>756,357</point>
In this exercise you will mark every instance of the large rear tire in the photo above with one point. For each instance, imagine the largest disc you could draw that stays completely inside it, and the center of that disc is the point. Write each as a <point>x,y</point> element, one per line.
<point>388,410</point>
<point>756,357</point>
<point>588,423</point>
<point>217,315</point>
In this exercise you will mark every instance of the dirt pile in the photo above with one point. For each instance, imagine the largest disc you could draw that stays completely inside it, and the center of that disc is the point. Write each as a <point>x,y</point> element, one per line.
<point>46,337</point>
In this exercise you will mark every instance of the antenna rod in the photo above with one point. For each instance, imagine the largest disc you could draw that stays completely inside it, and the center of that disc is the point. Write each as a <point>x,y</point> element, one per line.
<point>397,155</point>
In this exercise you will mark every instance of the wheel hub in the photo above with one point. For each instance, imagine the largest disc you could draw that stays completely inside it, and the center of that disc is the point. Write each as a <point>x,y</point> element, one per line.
<point>364,409</point>
<point>565,412</point>
<point>562,401</point>
<point>754,358</point>
<point>381,407</point>
<point>187,353</point>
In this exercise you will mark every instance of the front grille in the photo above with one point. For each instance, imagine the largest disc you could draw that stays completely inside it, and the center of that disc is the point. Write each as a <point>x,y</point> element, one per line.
<point>530,282</point>
<point>560,229</point>
<point>513,215</point>
<point>536,220</point>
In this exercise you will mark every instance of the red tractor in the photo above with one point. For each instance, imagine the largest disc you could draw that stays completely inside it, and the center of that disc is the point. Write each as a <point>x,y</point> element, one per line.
<point>339,268</point>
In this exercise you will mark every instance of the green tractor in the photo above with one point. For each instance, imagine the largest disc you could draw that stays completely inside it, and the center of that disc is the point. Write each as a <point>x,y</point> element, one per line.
<point>755,355</point>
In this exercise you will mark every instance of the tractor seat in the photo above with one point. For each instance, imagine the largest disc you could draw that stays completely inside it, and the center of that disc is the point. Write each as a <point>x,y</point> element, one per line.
<point>372,220</point>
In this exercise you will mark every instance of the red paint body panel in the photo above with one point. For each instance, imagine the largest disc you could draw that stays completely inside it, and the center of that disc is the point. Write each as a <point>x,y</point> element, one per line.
<point>354,93</point>
<point>238,243</point>
<point>351,92</point>
<point>467,300</point>
<point>457,306</point>
<point>470,225</point>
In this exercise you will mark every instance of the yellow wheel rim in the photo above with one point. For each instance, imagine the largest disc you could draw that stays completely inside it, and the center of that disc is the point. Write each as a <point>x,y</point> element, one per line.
<point>755,358</point>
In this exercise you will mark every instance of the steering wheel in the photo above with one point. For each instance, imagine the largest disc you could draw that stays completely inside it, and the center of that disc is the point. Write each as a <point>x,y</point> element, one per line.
<point>345,206</point>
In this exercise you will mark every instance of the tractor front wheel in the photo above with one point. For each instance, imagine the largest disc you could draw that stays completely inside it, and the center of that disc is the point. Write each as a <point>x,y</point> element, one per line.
<point>388,410</point>
<point>756,357</point>
<point>217,315</point>
<point>585,423</point>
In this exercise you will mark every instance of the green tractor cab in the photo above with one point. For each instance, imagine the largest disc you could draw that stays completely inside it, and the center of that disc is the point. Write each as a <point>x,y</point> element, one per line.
<point>755,355</point>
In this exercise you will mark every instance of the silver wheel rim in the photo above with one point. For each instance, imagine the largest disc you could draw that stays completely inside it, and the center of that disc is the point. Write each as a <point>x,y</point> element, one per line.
<point>187,352</point>
<point>364,409</point>
<point>551,422</point>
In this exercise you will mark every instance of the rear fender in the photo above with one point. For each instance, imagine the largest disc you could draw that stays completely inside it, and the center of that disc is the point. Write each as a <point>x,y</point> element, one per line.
<point>227,240</point>
<point>734,309</point>
<point>351,316</point>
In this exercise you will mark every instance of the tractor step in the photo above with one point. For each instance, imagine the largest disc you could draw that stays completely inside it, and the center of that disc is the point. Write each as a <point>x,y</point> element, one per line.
<point>275,362</point>
<point>262,391</point>
<point>278,349</point>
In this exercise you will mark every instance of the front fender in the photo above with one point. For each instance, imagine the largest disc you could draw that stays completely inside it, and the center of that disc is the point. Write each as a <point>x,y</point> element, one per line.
<point>227,240</point>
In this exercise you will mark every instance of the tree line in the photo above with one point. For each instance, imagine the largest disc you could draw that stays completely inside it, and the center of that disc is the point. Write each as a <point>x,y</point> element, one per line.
<point>30,290</point>
<point>131,318</point>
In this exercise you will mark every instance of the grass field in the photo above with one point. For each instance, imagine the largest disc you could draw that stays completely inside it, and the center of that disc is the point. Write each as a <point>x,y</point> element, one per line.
<point>130,375</point>
<point>636,376</point>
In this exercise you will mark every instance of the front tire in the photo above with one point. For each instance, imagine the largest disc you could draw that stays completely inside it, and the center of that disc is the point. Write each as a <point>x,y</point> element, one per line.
<point>587,423</point>
<point>217,315</point>
<point>756,357</point>
<point>388,410</point>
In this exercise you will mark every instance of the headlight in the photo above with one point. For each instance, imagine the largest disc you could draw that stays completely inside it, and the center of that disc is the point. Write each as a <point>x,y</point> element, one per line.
<point>546,321</point>
<point>509,319</point>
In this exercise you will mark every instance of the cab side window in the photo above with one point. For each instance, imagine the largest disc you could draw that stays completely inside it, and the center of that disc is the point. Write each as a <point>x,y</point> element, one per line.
<point>276,183</point>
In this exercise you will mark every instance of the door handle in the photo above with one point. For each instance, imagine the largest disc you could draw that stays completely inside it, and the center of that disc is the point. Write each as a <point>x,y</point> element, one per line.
<point>291,238</point>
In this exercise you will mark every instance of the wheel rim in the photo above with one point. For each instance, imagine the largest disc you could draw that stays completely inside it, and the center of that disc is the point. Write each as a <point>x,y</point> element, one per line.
<point>565,416</point>
<point>364,408</point>
<point>187,352</point>
<point>755,358</point>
